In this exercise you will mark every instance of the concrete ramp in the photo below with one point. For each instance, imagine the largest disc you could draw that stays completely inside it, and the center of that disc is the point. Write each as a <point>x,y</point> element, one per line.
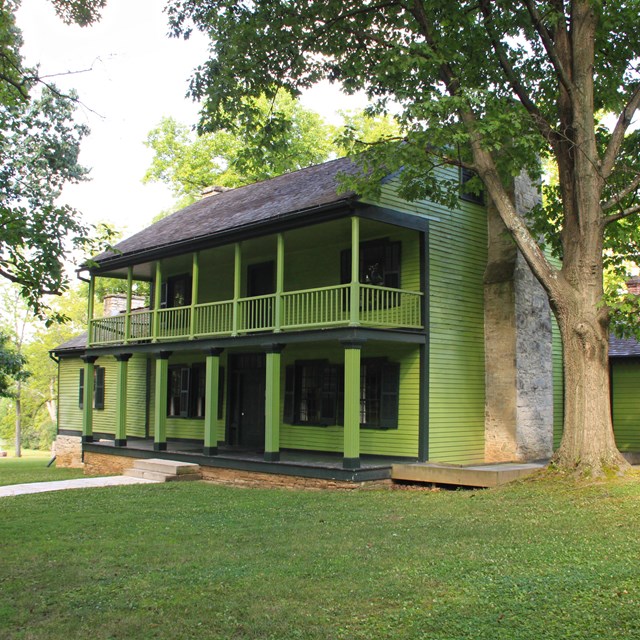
<point>481,475</point>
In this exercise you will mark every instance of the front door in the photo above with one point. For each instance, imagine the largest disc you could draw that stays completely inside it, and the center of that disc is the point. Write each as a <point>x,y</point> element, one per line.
<point>246,401</point>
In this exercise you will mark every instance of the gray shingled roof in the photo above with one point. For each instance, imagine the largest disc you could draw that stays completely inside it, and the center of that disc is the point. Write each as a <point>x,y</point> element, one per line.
<point>76,343</point>
<point>299,191</point>
<point>624,348</point>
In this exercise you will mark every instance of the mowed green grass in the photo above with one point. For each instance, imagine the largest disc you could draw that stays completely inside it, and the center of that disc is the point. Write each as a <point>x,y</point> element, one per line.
<point>32,467</point>
<point>538,560</point>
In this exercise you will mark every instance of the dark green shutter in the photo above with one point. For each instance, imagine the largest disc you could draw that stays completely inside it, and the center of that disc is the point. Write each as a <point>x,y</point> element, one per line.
<point>98,395</point>
<point>81,390</point>
<point>392,265</point>
<point>289,394</point>
<point>221,393</point>
<point>390,394</point>
<point>328,394</point>
<point>340,396</point>
<point>185,378</point>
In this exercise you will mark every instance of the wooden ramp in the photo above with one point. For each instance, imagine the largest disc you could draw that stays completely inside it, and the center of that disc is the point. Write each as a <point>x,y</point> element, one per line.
<point>480,475</point>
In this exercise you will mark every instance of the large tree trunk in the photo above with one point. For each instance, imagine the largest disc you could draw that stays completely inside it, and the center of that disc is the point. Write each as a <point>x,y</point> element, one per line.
<point>588,445</point>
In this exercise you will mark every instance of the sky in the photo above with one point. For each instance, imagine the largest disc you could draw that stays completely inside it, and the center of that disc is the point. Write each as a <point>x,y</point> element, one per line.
<point>135,75</point>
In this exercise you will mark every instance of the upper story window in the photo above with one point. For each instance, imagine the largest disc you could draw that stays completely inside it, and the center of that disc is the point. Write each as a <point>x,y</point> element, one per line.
<point>379,263</point>
<point>474,195</point>
<point>176,292</point>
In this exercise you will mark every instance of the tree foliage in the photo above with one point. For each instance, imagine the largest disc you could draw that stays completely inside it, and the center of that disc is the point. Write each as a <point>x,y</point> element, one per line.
<point>489,85</point>
<point>39,147</point>
<point>11,366</point>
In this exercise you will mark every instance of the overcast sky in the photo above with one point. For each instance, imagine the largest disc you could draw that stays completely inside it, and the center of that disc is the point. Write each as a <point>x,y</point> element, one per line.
<point>137,75</point>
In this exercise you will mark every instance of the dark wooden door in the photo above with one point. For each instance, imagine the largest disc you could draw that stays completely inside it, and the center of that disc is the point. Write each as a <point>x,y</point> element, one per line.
<point>247,411</point>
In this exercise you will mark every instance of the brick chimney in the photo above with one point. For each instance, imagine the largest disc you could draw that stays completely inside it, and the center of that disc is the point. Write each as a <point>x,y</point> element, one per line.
<point>633,285</point>
<point>115,303</point>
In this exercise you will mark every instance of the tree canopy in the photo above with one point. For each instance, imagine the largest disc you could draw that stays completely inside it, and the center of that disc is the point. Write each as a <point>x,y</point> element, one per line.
<point>489,85</point>
<point>39,147</point>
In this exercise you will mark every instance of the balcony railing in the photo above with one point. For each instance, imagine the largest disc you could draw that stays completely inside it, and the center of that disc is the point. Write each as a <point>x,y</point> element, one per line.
<point>291,310</point>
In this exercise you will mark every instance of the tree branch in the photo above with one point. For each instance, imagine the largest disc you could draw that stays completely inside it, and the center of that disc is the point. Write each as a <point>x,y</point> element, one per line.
<point>619,131</point>
<point>622,214</point>
<point>548,133</point>
<point>550,48</point>
<point>618,197</point>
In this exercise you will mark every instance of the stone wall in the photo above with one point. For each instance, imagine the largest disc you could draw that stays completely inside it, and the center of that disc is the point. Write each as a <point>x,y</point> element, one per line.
<point>100,464</point>
<point>518,348</point>
<point>68,451</point>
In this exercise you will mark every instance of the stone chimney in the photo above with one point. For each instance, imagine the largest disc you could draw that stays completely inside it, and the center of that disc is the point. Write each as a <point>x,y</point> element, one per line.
<point>633,285</point>
<point>213,191</point>
<point>115,303</point>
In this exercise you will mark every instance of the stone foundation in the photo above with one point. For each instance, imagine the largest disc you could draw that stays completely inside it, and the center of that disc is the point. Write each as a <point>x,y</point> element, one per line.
<point>68,451</point>
<point>101,464</point>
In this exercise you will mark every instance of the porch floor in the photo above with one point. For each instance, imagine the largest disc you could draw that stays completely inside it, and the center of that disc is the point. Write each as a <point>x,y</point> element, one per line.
<point>477,475</point>
<point>309,464</point>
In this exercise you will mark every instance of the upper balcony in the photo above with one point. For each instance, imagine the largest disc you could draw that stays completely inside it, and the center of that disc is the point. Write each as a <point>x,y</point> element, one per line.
<point>348,272</point>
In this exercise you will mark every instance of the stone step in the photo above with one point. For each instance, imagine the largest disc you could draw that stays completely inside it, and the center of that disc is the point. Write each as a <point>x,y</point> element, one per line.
<point>169,467</point>
<point>158,476</point>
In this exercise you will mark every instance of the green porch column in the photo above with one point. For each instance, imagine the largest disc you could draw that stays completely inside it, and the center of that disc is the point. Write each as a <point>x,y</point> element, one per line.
<point>160,401</point>
<point>92,288</point>
<point>351,459</point>
<point>279,283</point>
<point>157,294</point>
<point>211,402</point>
<point>127,321</point>
<point>195,277</point>
<point>237,280</point>
<point>272,404</point>
<point>354,302</point>
<point>87,399</point>
<point>121,399</point>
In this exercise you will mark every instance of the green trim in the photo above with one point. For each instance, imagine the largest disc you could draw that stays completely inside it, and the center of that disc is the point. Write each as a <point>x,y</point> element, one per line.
<point>354,286</point>
<point>237,281</point>
<point>157,293</point>
<point>423,416</point>
<point>127,321</point>
<point>351,448</point>
<point>195,279</point>
<point>90,303</point>
<point>160,407</point>
<point>272,404</point>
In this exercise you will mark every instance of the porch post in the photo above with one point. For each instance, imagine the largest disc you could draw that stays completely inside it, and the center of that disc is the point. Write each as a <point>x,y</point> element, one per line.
<point>195,276</point>
<point>272,404</point>
<point>211,403</point>
<point>237,279</point>
<point>127,321</point>
<point>279,283</point>
<point>351,459</point>
<point>92,286</point>
<point>121,399</point>
<point>354,306</point>
<point>157,294</point>
<point>87,399</point>
<point>160,401</point>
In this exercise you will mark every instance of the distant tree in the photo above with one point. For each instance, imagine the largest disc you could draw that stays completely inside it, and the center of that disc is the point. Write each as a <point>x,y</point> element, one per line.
<point>39,146</point>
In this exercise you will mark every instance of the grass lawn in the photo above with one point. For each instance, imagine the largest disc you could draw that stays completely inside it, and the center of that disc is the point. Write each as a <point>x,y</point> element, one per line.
<point>32,467</point>
<point>538,560</point>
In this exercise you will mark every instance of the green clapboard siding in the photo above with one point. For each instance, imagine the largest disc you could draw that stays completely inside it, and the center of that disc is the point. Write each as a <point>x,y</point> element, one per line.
<point>626,404</point>
<point>558,383</point>
<point>402,441</point>
<point>185,428</point>
<point>457,260</point>
<point>104,420</point>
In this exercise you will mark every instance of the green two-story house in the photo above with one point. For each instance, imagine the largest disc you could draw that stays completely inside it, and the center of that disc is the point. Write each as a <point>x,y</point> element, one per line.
<point>292,328</point>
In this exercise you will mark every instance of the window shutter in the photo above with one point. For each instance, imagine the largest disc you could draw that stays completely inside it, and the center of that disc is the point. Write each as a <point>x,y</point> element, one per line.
<point>164,295</point>
<point>345,266</point>
<point>392,265</point>
<point>221,393</point>
<point>184,391</point>
<point>98,402</point>
<point>289,394</point>
<point>390,393</point>
<point>340,396</point>
<point>81,390</point>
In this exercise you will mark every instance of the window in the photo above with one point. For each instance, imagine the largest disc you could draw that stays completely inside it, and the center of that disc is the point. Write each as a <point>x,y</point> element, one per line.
<point>98,388</point>
<point>176,292</point>
<point>314,393</point>
<point>470,192</point>
<point>379,263</point>
<point>187,391</point>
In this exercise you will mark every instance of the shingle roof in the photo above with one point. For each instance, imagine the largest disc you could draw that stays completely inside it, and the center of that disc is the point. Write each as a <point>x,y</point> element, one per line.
<point>76,343</point>
<point>265,201</point>
<point>624,348</point>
